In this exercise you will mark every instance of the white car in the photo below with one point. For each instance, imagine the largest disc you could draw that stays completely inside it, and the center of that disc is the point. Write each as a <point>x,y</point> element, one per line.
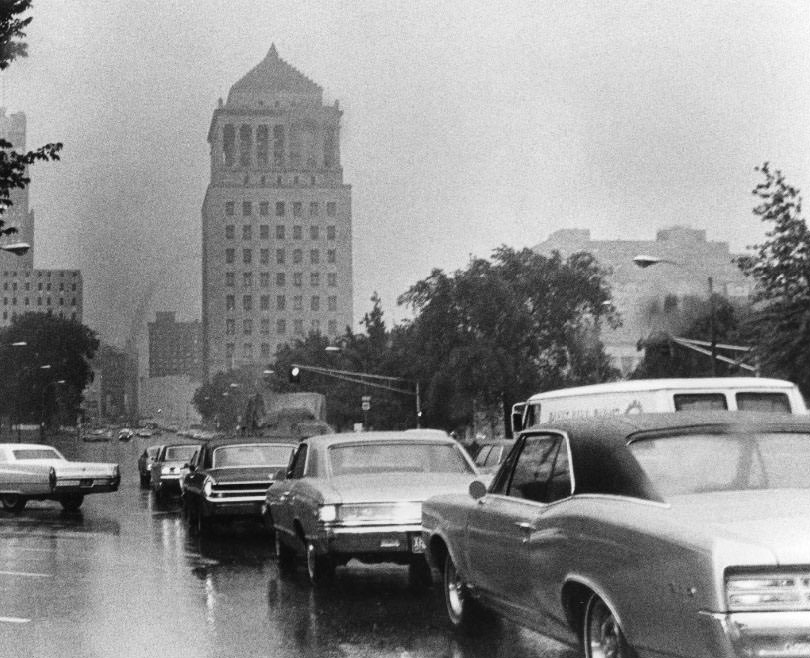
<point>71,481</point>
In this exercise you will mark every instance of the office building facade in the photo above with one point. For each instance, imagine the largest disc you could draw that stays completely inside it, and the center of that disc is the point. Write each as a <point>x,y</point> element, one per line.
<point>276,220</point>
<point>175,348</point>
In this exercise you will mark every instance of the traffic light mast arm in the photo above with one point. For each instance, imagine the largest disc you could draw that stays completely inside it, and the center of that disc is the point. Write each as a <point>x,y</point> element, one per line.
<point>365,377</point>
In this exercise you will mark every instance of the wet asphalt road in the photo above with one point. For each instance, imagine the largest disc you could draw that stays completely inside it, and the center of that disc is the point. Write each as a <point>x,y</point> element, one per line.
<point>124,578</point>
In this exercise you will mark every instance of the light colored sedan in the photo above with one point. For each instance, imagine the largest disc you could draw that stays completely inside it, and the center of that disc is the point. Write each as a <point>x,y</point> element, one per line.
<point>19,482</point>
<point>73,480</point>
<point>649,536</point>
<point>359,496</point>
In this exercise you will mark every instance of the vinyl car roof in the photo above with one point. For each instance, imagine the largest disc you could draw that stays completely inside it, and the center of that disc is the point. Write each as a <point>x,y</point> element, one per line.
<point>408,436</point>
<point>602,463</point>
<point>250,440</point>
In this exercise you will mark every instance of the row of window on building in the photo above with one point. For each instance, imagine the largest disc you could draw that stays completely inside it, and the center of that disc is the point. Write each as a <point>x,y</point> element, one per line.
<point>281,279</point>
<point>281,208</point>
<point>281,329</point>
<point>27,301</point>
<point>281,303</point>
<point>281,326</point>
<point>73,314</point>
<point>46,286</point>
<point>281,256</point>
<point>264,232</point>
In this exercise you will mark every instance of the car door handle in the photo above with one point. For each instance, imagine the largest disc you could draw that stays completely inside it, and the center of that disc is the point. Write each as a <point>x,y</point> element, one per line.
<point>524,525</point>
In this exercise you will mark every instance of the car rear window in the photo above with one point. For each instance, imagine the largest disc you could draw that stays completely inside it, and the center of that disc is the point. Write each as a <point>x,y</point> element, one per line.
<point>252,455</point>
<point>365,458</point>
<point>700,401</point>
<point>36,453</point>
<point>179,453</point>
<point>758,401</point>
<point>729,461</point>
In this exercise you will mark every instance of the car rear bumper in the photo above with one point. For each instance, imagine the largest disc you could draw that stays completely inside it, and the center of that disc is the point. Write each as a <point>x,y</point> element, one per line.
<point>391,543</point>
<point>85,485</point>
<point>243,507</point>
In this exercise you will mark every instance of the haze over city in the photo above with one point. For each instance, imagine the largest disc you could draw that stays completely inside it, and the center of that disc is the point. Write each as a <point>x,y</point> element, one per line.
<point>465,126</point>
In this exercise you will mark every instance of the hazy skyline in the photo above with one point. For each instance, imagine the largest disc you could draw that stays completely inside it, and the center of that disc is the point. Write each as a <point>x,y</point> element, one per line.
<point>466,126</point>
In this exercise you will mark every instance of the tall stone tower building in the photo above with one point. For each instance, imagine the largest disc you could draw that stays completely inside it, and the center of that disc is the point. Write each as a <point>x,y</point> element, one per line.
<point>276,220</point>
<point>19,215</point>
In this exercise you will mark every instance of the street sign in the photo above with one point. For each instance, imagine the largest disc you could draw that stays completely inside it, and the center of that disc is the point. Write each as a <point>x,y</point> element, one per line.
<point>365,402</point>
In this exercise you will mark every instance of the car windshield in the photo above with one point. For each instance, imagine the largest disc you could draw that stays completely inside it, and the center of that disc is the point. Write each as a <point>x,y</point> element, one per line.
<point>179,453</point>
<point>36,453</point>
<point>734,461</point>
<point>362,458</point>
<point>252,455</point>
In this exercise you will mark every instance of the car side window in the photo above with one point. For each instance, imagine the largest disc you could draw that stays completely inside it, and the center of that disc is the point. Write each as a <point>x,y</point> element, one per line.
<point>493,459</point>
<point>312,465</point>
<point>481,457</point>
<point>299,460</point>
<point>542,472</point>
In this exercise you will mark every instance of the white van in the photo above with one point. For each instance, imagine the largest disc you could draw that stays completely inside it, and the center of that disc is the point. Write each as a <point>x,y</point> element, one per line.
<point>659,395</point>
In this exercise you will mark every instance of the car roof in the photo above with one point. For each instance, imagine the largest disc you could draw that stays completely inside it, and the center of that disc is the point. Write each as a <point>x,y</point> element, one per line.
<point>603,464</point>
<point>251,440</point>
<point>649,385</point>
<point>408,436</point>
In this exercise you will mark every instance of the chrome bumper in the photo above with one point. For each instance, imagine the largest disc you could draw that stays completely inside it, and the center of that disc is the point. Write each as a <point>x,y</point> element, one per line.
<point>762,634</point>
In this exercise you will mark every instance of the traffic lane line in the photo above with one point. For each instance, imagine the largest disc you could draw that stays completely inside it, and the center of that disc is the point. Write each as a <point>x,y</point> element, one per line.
<point>13,620</point>
<point>25,574</point>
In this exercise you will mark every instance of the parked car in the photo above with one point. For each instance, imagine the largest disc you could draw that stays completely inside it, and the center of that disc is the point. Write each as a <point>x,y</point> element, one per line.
<point>360,496</point>
<point>682,535</point>
<point>19,482</point>
<point>125,434</point>
<point>491,454</point>
<point>167,469</point>
<point>145,461</point>
<point>228,478</point>
<point>74,480</point>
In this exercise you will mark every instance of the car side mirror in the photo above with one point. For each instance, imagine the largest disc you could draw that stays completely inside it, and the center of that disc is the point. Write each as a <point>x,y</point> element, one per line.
<point>477,489</point>
<point>191,468</point>
<point>281,474</point>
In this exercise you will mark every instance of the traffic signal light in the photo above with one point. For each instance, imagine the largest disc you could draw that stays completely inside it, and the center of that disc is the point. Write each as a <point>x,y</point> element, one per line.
<point>295,375</point>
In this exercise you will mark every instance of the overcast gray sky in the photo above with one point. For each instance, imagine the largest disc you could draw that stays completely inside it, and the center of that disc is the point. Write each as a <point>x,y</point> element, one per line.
<point>466,125</point>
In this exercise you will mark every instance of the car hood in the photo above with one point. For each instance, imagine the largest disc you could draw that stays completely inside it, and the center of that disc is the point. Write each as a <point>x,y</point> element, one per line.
<point>244,473</point>
<point>773,520</point>
<point>389,487</point>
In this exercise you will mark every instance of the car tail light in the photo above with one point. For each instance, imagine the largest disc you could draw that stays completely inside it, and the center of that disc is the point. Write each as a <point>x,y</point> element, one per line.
<point>767,591</point>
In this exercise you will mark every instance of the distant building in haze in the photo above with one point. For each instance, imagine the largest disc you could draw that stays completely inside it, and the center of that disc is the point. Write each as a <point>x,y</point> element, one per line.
<point>175,348</point>
<point>25,289</point>
<point>112,396</point>
<point>276,220</point>
<point>648,299</point>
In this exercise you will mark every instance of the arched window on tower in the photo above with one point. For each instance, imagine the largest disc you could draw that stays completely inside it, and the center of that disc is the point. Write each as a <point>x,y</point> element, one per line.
<point>261,146</point>
<point>278,146</point>
<point>329,148</point>
<point>228,143</point>
<point>245,143</point>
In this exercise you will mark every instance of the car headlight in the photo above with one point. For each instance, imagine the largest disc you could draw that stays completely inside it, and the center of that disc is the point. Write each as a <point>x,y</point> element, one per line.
<point>208,486</point>
<point>768,591</point>
<point>327,513</point>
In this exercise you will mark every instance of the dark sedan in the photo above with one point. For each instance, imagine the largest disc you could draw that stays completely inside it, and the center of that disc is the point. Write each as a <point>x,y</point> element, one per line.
<point>229,477</point>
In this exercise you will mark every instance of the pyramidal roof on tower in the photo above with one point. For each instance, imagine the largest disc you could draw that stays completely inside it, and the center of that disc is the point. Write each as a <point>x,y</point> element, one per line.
<point>273,74</point>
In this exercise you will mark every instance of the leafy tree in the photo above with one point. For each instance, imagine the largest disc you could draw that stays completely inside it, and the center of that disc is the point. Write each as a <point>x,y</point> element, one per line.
<point>14,164</point>
<point>222,400</point>
<point>501,330</point>
<point>49,371</point>
<point>781,268</point>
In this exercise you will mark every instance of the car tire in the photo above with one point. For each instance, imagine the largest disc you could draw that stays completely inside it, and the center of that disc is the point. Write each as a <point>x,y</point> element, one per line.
<point>463,611</point>
<point>420,574</point>
<point>145,480</point>
<point>602,636</point>
<point>72,502</point>
<point>285,556</point>
<point>320,568</point>
<point>13,502</point>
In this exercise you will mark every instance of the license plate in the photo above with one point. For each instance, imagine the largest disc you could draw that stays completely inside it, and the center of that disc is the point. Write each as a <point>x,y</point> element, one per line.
<point>417,544</point>
<point>87,482</point>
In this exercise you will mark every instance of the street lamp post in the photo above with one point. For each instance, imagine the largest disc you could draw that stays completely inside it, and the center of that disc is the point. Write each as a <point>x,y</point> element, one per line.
<point>644,262</point>
<point>54,383</point>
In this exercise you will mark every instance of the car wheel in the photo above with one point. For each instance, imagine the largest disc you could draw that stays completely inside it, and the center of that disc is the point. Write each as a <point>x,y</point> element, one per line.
<point>320,568</point>
<point>419,573</point>
<point>602,635</point>
<point>72,503</point>
<point>462,610</point>
<point>285,556</point>
<point>13,502</point>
